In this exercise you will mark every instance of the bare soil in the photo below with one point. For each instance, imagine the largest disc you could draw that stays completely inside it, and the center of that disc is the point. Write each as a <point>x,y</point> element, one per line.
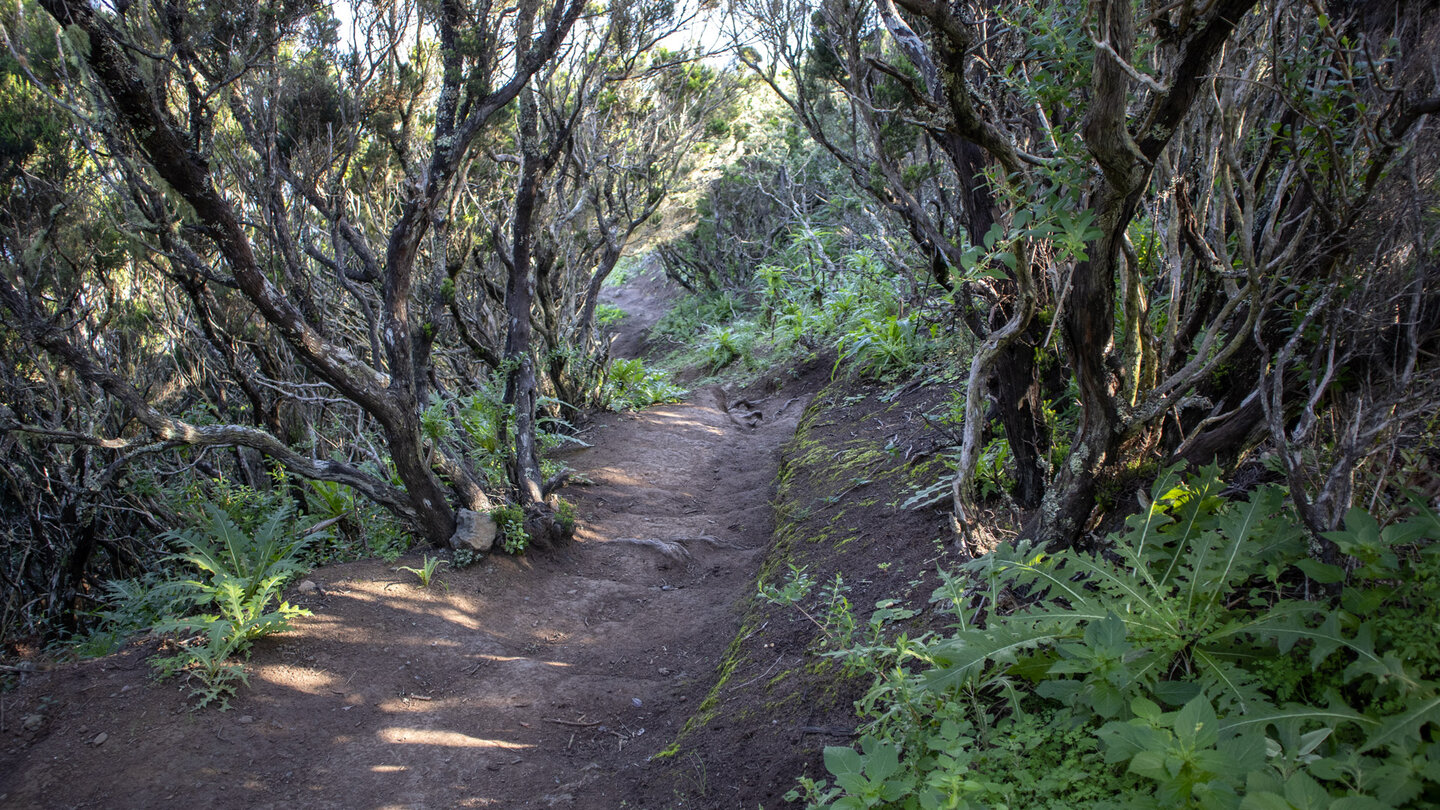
<point>778,699</point>
<point>542,681</point>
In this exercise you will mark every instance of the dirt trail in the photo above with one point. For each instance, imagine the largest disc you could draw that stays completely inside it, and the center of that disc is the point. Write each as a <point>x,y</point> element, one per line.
<point>544,681</point>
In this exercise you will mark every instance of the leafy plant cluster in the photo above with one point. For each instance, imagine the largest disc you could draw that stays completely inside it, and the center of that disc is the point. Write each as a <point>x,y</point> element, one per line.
<point>482,420</point>
<point>510,521</point>
<point>425,574</point>
<point>629,385</point>
<point>217,591</point>
<point>863,313</point>
<point>1202,659</point>
<point>789,258</point>
<point>229,602</point>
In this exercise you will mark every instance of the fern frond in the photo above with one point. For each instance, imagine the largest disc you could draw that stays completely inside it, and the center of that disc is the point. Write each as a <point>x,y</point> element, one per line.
<point>1237,687</point>
<point>1193,503</point>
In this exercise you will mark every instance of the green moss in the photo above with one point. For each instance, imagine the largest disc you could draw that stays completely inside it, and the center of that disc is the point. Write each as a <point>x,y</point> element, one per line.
<point>775,705</point>
<point>820,666</point>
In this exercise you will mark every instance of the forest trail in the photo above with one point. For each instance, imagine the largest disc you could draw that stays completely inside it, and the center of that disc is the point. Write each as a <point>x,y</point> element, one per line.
<point>543,681</point>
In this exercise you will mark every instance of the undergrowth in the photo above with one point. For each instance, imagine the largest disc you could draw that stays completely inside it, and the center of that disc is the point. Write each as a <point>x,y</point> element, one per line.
<point>787,314</point>
<point>229,603</point>
<point>630,385</point>
<point>1196,661</point>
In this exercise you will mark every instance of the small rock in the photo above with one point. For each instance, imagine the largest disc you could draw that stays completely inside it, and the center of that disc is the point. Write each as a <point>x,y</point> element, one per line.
<point>100,739</point>
<point>308,586</point>
<point>245,718</point>
<point>32,721</point>
<point>636,702</point>
<point>475,530</point>
<point>664,671</point>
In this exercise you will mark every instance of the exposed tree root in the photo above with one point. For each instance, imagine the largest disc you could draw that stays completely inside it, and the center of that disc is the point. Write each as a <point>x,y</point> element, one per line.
<point>673,547</point>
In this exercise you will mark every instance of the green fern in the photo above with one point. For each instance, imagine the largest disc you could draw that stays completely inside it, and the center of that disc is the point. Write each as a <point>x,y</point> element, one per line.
<point>426,572</point>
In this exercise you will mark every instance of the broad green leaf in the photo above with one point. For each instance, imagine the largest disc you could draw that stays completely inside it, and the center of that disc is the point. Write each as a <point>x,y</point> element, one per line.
<point>843,761</point>
<point>1403,729</point>
<point>1320,572</point>
<point>963,657</point>
<point>1337,713</point>
<point>1196,725</point>
<point>1359,803</point>
<point>1150,764</point>
<point>1265,801</point>
<point>1305,793</point>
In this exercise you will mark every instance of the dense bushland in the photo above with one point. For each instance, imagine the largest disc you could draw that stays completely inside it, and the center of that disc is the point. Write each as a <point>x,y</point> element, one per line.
<point>282,288</point>
<point>1156,214</point>
<point>343,266</point>
<point>1127,240</point>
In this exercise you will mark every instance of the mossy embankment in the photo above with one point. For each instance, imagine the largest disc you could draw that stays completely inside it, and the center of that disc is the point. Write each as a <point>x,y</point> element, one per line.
<point>860,452</point>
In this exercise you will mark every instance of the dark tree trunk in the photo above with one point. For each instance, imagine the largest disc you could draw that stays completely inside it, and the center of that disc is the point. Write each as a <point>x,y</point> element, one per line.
<point>521,386</point>
<point>1016,376</point>
<point>1022,412</point>
<point>608,259</point>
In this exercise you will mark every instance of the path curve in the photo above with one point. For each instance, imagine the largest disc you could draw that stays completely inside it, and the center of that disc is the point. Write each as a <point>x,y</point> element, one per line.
<point>545,681</point>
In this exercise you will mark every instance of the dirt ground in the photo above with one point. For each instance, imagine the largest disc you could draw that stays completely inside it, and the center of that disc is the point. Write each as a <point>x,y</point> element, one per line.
<point>542,681</point>
<point>860,453</point>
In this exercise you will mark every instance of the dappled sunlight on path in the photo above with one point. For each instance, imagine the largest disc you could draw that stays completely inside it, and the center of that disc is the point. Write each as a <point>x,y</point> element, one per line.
<point>544,681</point>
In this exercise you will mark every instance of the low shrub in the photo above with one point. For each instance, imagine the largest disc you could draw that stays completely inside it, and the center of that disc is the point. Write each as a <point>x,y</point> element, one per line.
<point>1191,663</point>
<point>240,575</point>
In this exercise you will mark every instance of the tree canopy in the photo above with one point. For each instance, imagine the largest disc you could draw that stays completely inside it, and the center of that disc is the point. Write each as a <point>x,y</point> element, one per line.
<point>362,252</point>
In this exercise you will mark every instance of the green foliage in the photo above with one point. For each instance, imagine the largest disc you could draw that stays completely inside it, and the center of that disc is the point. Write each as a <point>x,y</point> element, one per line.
<point>722,346</point>
<point>993,473</point>
<point>1182,661</point>
<point>608,315</point>
<point>510,522</point>
<point>207,661</point>
<point>483,417</point>
<point>797,310</point>
<point>629,385</point>
<point>361,528</point>
<point>131,606</point>
<point>426,572</point>
<point>832,612</point>
<point>625,269</point>
<point>565,515</point>
<point>240,574</point>
<point>994,469</point>
<point>330,499</point>
<point>246,507</point>
<point>883,348</point>
<point>464,557</point>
